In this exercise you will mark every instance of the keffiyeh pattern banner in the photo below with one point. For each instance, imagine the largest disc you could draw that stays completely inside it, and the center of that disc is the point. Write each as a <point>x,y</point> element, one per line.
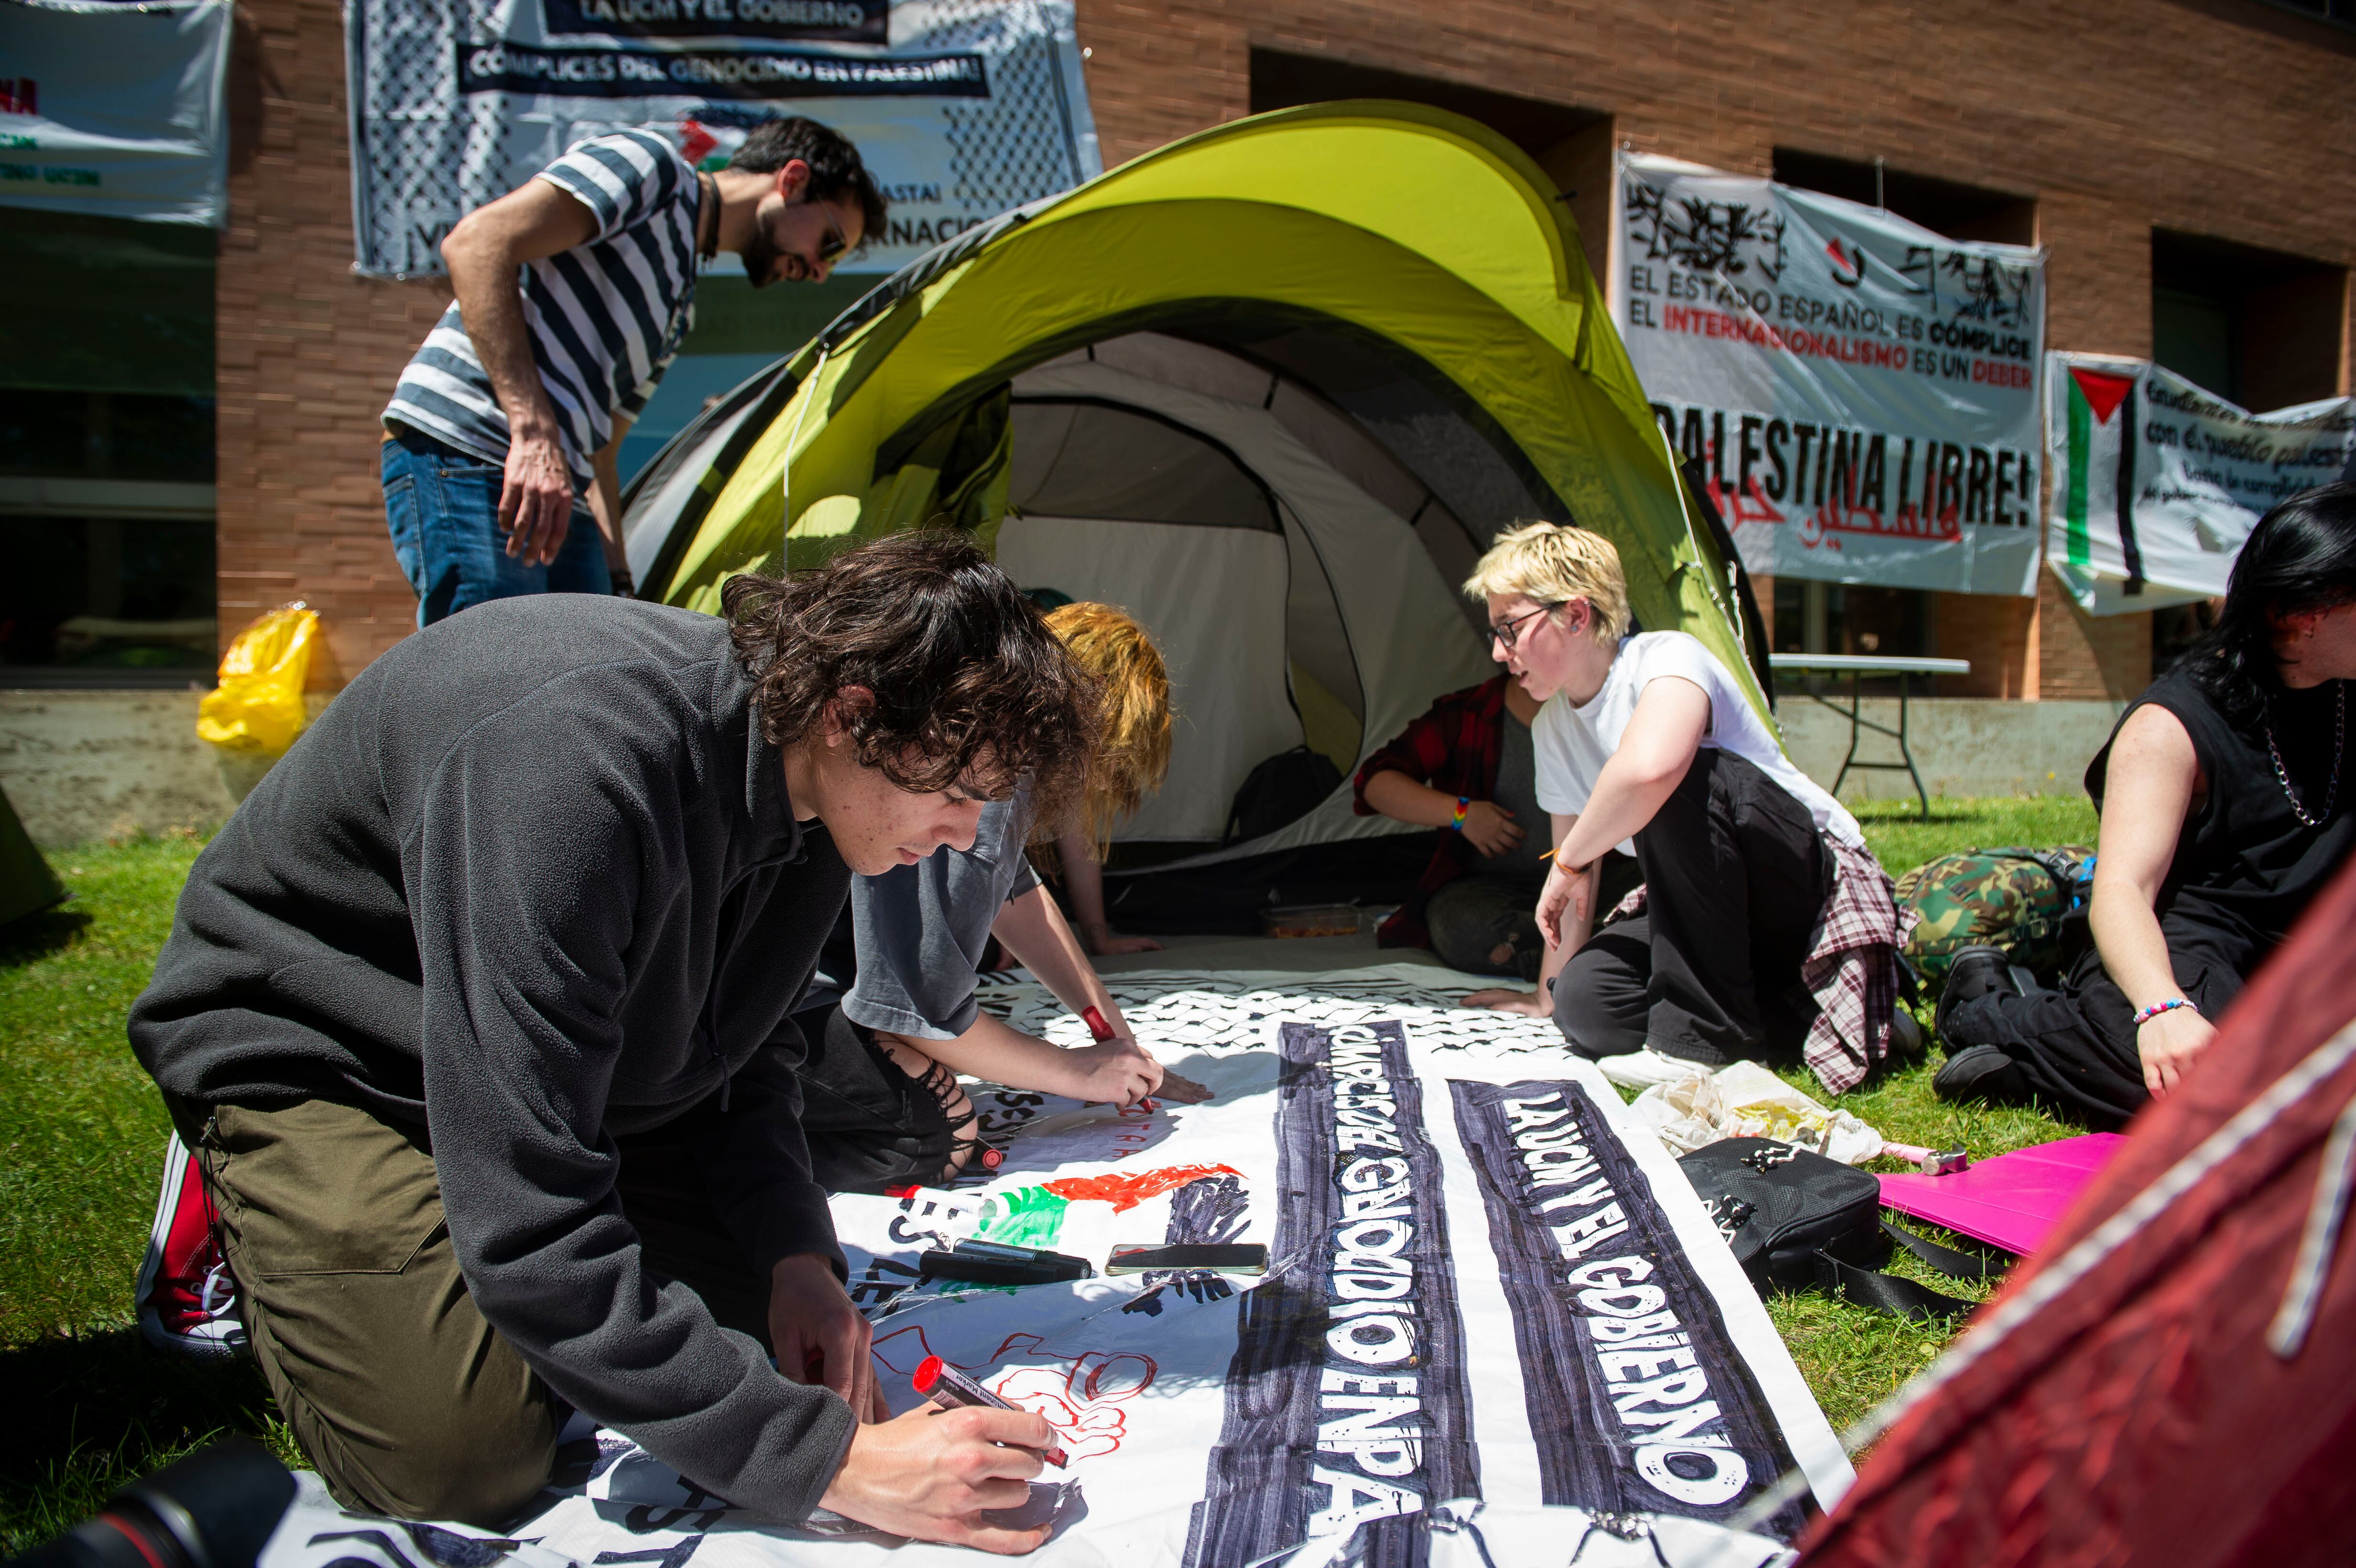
<point>1496,1325</point>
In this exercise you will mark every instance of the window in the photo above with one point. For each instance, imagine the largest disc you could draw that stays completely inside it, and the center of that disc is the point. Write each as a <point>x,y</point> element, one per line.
<point>106,452</point>
<point>2340,11</point>
<point>1571,143</point>
<point>1943,206</point>
<point>2257,327</point>
<point>1284,80</point>
<point>1852,618</point>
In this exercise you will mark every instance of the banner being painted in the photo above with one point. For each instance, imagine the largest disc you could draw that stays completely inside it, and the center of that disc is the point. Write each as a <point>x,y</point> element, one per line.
<point>961,108</point>
<point>2156,483</point>
<point>1861,391</point>
<point>117,111</point>
<point>1496,1326</point>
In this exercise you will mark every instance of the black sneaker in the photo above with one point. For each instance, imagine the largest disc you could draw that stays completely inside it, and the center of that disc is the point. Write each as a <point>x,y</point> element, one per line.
<point>1974,972</point>
<point>1979,1073</point>
<point>1906,1041</point>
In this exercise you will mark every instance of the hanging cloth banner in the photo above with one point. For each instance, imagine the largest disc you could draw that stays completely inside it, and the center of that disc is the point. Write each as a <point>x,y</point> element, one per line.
<point>2156,483</point>
<point>1496,1325</point>
<point>1861,391</point>
<point>116,110</point>
<point>960,108</point>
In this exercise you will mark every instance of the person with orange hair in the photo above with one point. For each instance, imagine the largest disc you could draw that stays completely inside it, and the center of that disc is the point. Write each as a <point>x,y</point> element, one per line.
<point>893,1018</point>
<point>1132,757</point>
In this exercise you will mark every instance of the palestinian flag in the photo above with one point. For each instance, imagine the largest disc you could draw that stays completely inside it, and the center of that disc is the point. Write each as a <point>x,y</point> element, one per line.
<point>2101,421</point>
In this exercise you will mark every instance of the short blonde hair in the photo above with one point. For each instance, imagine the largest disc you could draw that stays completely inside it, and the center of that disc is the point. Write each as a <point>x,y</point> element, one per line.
<point>1555,565</point>
<point>1132,751</point>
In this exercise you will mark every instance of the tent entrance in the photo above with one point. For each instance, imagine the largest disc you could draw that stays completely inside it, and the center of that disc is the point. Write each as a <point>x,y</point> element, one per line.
<point>1235,513</point>
<point>1402,380</point>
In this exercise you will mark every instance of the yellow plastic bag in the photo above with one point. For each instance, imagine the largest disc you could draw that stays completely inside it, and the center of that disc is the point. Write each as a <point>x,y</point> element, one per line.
<point>258,707</point>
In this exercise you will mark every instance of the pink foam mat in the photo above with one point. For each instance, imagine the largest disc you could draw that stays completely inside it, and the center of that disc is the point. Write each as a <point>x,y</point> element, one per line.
<point>2012,1200</point>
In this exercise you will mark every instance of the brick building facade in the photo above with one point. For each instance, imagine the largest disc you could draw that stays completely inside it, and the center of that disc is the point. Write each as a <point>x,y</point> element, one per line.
<point>2180,146</point>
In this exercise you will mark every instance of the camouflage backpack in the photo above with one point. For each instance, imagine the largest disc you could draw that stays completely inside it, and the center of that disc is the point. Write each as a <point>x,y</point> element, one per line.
<point>2015,898</point>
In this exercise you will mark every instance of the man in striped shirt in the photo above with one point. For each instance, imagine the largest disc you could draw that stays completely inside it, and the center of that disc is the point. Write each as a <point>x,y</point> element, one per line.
<point>574,293</point>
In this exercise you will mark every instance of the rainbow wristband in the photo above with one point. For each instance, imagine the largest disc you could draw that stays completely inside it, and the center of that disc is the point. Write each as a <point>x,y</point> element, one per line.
<point>1463,805</point>
<point>2156,1008</point>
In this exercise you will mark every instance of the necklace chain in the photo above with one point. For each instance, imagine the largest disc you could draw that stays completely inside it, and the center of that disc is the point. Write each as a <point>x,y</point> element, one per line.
<point>2332,792</point>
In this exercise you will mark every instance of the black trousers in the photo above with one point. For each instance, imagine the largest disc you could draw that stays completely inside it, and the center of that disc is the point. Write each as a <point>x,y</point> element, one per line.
<point>1736,877</point>
<point>2076,1046</point>
<point>868,1125</point>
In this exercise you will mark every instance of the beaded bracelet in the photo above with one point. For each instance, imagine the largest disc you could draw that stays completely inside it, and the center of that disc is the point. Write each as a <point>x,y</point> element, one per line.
<point>1463,805</point>
<point>2156,1008</point>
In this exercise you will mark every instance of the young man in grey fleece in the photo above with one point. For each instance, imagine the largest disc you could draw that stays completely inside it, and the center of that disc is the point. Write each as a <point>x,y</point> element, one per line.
<point>477,1016</point>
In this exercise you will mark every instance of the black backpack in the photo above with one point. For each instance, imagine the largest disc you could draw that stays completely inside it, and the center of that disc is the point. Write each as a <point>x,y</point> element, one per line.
<point>1795,1219</point>
<point>1285,788</point>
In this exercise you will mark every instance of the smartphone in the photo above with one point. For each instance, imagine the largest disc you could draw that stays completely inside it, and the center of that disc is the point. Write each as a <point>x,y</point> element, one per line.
<point>1242,1257</point>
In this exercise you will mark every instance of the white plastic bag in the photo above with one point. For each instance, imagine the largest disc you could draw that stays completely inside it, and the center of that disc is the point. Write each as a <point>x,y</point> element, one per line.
<point>1744,1100</point>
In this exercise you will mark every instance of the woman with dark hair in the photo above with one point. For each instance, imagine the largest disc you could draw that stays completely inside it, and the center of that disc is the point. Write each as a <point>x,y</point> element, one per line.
<point>2225,811</point>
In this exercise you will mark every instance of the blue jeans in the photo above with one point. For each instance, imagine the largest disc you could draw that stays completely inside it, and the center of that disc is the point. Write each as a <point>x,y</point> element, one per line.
<point>442,507</point>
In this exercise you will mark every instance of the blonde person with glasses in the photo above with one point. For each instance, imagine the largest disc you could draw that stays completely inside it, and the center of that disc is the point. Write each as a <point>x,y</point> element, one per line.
<point>1765,928</point>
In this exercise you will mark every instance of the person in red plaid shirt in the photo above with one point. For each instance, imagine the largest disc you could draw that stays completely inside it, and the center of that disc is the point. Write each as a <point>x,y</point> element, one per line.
<point>1467,766</point>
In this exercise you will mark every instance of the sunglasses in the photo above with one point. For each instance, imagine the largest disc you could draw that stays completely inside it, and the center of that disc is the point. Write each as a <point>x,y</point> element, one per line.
<point>833,245</point>
<point>1509,631</point>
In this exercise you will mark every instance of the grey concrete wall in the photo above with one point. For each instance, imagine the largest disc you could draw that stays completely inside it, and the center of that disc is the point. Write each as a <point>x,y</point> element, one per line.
<point>1963,746</point>
<point>79,765</point>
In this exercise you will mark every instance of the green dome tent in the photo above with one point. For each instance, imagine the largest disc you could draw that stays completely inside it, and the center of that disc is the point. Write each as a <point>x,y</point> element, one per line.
<point>1272,387</point>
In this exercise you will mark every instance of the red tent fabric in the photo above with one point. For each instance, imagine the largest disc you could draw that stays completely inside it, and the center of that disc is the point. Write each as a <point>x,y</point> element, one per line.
<point>2121,1402</point>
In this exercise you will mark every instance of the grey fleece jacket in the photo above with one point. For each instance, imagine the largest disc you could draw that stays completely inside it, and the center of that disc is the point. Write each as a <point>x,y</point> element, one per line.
<point>533,880</point>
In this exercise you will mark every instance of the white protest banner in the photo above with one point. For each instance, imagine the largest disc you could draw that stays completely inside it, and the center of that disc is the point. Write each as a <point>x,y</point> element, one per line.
<point>2156,483</point>
<point>960,108</point>
<point>116,110</point>
<point>1497,1325</point>
<point>1861,390</point>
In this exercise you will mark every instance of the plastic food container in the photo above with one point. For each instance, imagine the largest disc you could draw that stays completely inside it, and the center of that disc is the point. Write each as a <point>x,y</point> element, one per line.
<point>1309,920</point>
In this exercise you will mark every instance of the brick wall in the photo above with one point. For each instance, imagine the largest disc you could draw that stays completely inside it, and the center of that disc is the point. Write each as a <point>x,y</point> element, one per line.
<point>2084,656</point>
<point>1998,635</point>
<point>2198,116</point>
<point>306,352</point>
<point>2066,119</point>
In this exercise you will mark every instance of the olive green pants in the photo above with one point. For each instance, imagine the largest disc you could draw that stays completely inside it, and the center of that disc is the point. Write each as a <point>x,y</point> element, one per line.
<point>408,1402</point>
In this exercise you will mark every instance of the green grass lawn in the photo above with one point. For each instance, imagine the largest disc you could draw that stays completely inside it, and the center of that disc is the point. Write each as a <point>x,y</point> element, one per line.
<point>81,1144</point>
<point>82,1136</point>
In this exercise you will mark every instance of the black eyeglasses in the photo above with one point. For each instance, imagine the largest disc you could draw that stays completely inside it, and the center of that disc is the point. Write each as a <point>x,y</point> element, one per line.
<point>1508,632</point>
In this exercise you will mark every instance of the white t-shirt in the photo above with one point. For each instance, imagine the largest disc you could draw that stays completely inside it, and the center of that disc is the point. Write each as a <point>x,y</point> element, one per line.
<point>1573,743</point>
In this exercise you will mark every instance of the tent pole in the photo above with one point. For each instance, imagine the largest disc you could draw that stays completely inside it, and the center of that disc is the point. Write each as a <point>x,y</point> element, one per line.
<point>786,468</point>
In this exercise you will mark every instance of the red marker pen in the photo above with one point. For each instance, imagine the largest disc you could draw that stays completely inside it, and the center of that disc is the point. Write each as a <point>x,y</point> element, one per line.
<point>1186,1091</point>
<point>952,1390</point>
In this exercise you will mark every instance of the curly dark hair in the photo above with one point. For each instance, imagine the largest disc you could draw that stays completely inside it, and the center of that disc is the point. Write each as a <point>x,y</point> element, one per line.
<point>2300,557</point>
<point>835,166</point>
<point>970,686</point>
